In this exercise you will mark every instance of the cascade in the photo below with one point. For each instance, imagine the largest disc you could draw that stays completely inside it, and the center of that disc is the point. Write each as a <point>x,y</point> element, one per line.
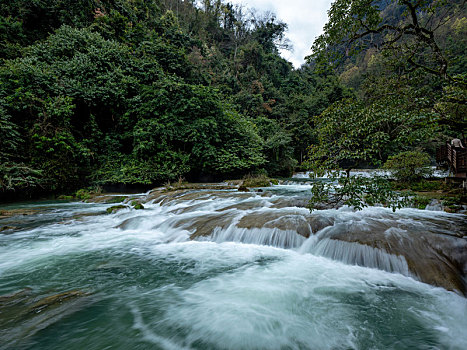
<point>421,244</point>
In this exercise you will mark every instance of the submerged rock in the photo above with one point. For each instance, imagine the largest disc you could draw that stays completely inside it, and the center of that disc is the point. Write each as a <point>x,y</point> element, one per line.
<point>17,212</point>
<point>8,229</point>
<point>14,297</point>
<point>81,216</point>
<point>291,223</point>
<point>130,224</point>
<point>188,187</point>
<point>242,206</point>
<point>55,299</point>
<point>181,196</point>
<point>24,314</point>
<point>165,197</point>
<point>286,220</point>
<point>108,268</point>
<point>318,222</point>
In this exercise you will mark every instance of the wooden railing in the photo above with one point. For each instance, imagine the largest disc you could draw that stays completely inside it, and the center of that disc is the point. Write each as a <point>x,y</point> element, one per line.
<point>454,157</point>
<point>442,155</point>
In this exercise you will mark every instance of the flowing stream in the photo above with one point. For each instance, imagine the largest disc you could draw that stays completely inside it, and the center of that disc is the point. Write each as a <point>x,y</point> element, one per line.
<point>223,269</point>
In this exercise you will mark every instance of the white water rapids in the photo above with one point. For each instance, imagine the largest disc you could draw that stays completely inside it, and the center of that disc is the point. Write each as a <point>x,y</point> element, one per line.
<point>226,270</point>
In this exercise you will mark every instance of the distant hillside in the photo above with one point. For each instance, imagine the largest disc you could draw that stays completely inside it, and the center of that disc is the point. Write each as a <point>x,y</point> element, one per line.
<point>451,34</point>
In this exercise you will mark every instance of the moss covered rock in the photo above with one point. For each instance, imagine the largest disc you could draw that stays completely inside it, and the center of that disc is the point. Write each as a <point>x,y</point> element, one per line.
<point>258,181</point>
<point>83,194</point>
<point>64,197</point>
<point>139,206</point>
<point>115,208</point>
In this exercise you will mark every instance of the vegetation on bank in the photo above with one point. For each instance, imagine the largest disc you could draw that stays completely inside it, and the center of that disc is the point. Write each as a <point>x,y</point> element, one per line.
<point>410,184</point>
<point>133,92</point>
<point>100,92</point>
<point>404,61</point>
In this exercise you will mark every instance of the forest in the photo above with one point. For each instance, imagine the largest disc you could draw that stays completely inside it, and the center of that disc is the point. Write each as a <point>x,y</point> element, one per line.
<point>141,92</point>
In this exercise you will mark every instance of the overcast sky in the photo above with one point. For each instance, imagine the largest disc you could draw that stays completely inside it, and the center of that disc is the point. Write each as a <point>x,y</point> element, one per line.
<point>305,19</point>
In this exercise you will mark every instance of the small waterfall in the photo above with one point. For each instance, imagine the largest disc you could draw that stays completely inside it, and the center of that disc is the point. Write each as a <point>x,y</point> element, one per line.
<point>434,205</point>
<point>353,253</point>
<point>287,239</point>
<point>374,237</point>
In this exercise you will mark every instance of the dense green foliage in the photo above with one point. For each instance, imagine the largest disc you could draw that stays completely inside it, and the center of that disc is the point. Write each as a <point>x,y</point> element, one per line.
<point>420,34</point>
<point>144,91</point>
<point>141,92</point>
<point>358,192</point>
<point>409,165</point>
<point>405,61</point>
<point>352,133</point>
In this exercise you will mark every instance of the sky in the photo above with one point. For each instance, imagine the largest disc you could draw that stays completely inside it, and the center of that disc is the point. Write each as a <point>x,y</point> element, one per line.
<point>305,20</point>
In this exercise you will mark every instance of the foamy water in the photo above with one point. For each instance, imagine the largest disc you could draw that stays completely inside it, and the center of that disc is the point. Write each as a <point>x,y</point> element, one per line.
<point>150,286</point>
<point>372,172</point>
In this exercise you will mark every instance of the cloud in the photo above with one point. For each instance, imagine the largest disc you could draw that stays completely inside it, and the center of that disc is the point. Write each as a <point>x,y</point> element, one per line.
<point>305,20</point>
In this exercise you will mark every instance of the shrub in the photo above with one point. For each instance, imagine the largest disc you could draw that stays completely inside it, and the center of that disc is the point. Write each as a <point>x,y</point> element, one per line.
<point>409,166</point>
<point>83,194</point>
<point>421,202</point>
<point>256,181</point>
<point>115,208</point>
<point>428,186</point>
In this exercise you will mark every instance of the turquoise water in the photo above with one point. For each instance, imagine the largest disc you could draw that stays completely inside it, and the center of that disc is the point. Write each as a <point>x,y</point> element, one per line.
<point>150,287</point>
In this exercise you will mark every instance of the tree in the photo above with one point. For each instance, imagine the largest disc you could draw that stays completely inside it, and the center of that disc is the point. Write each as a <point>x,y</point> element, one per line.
<point>352,133</point>
<point>357,192</point>
<point>269,32</point>
<point>14,174</point>
<point>453,110</point>
<point>409,165</point>
<point>359,24</point>
<point>194,128</point>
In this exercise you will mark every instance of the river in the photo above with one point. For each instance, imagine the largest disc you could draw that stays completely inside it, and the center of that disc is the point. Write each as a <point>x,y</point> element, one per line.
<point>223,269</point>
